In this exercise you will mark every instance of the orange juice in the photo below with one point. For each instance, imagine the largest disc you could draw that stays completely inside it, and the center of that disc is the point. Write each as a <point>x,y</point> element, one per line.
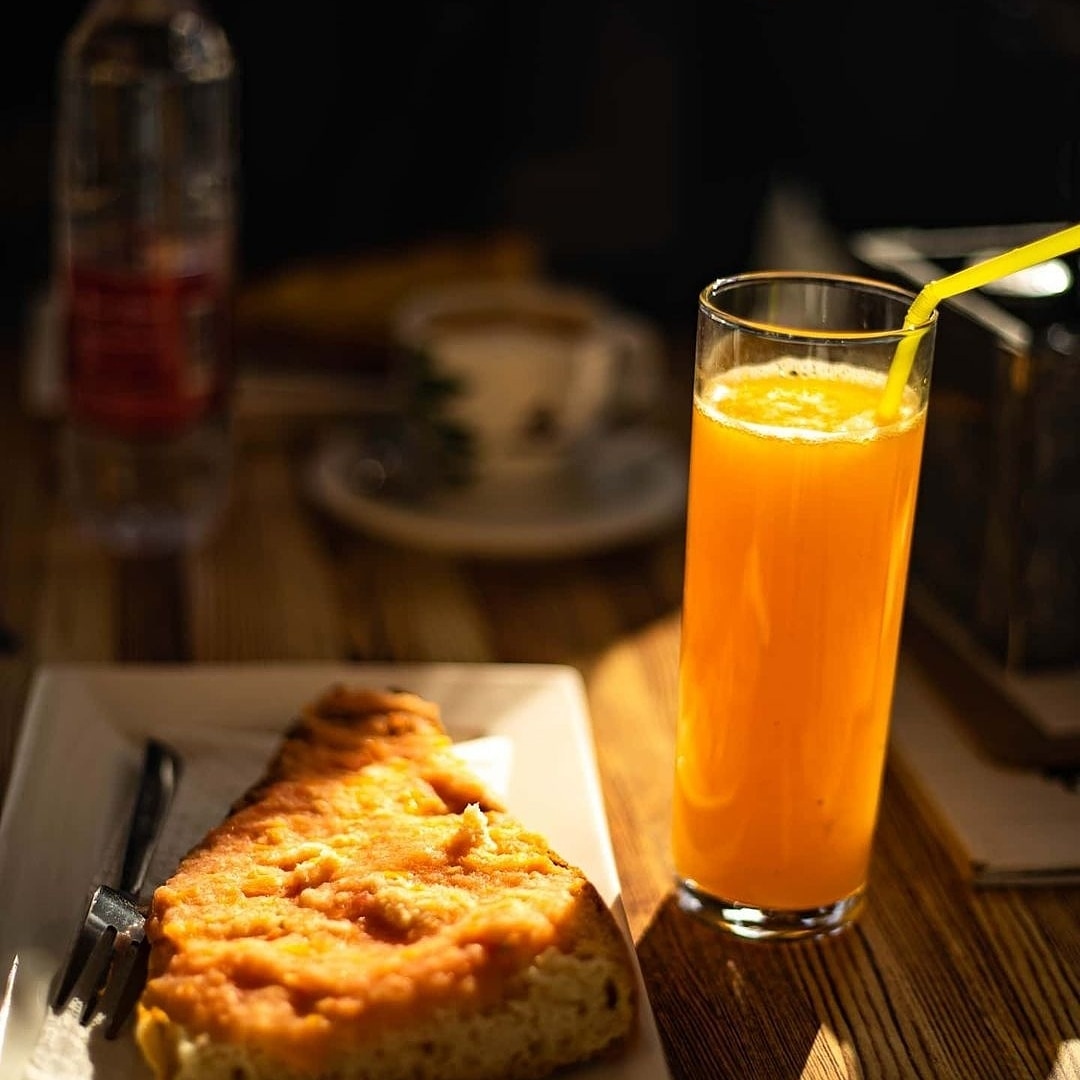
<point>798,534</point>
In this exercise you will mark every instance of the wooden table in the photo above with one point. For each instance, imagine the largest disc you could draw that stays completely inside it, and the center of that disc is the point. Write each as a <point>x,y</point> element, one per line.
<point>937,981</point>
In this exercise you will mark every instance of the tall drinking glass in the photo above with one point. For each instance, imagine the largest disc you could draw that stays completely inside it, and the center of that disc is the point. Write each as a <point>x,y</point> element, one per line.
<point>801,507</point>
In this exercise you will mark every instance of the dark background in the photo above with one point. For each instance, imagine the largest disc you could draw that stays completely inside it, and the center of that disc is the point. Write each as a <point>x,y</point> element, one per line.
<point>637,141</point>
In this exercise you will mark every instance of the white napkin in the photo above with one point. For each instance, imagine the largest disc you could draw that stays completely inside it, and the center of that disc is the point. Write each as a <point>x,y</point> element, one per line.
<point>1011,825</point>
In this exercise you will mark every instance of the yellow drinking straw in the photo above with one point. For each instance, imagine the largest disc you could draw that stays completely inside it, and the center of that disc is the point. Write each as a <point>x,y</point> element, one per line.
<point>972,277</point>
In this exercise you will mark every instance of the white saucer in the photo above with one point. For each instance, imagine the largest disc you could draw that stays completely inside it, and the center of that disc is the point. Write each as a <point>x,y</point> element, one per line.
<point>634,486</point>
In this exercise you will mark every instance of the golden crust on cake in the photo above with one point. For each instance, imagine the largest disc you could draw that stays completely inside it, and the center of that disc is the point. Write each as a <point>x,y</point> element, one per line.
<point>370,909</point>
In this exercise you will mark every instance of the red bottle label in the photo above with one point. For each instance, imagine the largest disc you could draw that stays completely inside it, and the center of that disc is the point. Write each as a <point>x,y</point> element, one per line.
<point>147,354</point>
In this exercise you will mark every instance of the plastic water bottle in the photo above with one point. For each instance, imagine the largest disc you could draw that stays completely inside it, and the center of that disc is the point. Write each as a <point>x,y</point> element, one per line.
<point>145,228</point>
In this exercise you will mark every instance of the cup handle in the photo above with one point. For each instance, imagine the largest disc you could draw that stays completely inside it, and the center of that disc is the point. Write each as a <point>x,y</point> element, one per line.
<point>638,354</point>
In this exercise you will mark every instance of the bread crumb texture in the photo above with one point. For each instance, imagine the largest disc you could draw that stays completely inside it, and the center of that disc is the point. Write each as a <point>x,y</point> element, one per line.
<point>370,910</point>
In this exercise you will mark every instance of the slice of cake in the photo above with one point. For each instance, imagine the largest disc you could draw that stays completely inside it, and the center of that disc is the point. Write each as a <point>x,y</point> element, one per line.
<point>369,910</point>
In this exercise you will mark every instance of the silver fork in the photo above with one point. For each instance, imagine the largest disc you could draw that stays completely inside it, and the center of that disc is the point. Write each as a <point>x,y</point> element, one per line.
<point>106,964</point>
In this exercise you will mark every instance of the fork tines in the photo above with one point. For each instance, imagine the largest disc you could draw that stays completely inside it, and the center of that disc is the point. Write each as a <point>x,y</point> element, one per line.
<point>106,961</point>
<point>124,985</point>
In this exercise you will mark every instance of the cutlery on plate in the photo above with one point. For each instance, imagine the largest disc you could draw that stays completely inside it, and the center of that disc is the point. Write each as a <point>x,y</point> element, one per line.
<point>107,960</point>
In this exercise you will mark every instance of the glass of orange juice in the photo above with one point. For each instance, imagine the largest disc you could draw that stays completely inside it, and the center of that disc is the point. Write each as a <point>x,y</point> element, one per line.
<point>801,506</point>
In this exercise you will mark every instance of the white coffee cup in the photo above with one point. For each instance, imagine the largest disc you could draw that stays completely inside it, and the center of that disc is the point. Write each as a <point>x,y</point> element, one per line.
<point>531,370</point>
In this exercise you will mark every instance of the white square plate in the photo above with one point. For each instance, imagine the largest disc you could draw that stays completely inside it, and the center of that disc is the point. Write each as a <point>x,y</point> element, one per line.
<point>524,728</point>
